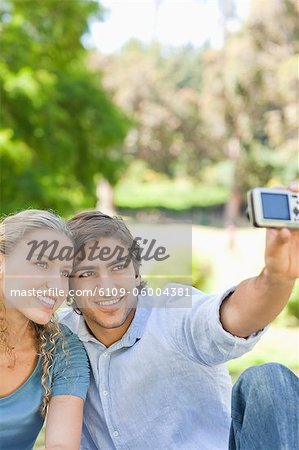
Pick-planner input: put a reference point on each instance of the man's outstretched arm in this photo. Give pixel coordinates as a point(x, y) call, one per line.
point(257, 301)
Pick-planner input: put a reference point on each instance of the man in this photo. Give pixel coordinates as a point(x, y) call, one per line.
point(158, 375)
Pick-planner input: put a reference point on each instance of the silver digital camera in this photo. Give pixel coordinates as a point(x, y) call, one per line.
point(273, 208)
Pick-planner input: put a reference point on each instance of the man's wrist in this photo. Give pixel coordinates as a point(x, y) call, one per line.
point(267, 277)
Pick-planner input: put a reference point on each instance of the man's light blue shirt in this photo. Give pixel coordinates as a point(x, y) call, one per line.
point(164, 385)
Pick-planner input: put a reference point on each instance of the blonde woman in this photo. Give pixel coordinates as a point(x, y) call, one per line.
point(43, 366)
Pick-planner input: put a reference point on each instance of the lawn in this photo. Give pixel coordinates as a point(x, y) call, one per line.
point(176, 195)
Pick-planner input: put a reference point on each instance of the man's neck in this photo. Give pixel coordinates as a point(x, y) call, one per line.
point(108, 336)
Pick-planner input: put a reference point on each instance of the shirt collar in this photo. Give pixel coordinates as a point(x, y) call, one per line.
point(138, 324)
point(83, 332)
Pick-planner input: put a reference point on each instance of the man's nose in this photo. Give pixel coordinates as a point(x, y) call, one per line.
point(105, 281)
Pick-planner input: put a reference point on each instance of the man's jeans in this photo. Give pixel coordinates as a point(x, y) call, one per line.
point(265, 409)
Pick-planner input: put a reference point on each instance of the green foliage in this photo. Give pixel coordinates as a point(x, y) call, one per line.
point(250, 103)
point(278, 345)
point(59, 127)
point(141, 187)
point(201, 274)
point(160, 90)
point(226, 118)
point(193, 109)
point(293, 303)
point(270, 354)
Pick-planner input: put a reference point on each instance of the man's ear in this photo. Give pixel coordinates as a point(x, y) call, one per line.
point(137, 279)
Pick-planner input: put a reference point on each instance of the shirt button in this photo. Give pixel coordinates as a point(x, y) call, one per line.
point(105, 393)
point(105, 354)
point(115, 433)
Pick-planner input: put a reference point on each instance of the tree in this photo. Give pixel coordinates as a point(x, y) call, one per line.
point(249, 105)
point(159, 89)
point(60, 129)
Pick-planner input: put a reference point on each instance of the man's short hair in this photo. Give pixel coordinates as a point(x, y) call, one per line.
point(93, 225)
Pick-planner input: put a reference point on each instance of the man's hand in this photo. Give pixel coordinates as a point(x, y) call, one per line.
point(259, 300)
point(282, 250)
point(282, 254)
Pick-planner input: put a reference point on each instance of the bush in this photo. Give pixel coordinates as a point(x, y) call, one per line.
point(201, 274)
point(293, 305)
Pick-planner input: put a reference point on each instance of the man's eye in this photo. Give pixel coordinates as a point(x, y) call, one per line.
point(86, 274)
point(41, 264)
point(118, 267)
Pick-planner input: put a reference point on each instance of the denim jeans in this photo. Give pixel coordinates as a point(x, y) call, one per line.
point(265, 409)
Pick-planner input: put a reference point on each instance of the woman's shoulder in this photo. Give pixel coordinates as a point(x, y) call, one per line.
point(67, 333)
point(70, 365)
point(67, 342)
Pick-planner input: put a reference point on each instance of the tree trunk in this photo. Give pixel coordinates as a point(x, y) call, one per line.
point(233, 206)
point(105, 196)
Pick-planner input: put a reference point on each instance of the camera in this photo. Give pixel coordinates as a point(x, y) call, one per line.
point(273, 208)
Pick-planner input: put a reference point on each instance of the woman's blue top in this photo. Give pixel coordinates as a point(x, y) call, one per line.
point(20, 417)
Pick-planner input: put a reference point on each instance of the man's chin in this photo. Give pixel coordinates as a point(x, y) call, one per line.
point(110, 319)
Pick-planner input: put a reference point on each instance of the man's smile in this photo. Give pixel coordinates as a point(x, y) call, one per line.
point(109, 303)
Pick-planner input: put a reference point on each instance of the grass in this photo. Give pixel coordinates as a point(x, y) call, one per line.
point(279, 344)
point(177, 195)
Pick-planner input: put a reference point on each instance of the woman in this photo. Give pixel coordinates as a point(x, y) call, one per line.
point(44, 368)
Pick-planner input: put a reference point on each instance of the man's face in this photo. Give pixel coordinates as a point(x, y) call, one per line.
point(105, 285)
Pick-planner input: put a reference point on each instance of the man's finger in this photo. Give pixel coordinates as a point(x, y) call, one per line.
point(294, 186)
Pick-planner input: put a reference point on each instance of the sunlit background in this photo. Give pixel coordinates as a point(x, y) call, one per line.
point(161, 111)
point(172, 23)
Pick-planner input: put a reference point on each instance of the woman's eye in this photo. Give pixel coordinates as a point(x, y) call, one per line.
point(41, 264)
point(89, 273)
point(65, 273)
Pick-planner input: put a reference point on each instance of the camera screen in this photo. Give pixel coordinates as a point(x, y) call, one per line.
point(275, 206)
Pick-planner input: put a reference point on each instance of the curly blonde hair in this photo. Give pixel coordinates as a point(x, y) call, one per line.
point(12, 230)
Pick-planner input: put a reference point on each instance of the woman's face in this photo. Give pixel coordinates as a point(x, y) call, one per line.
point(33, 282)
